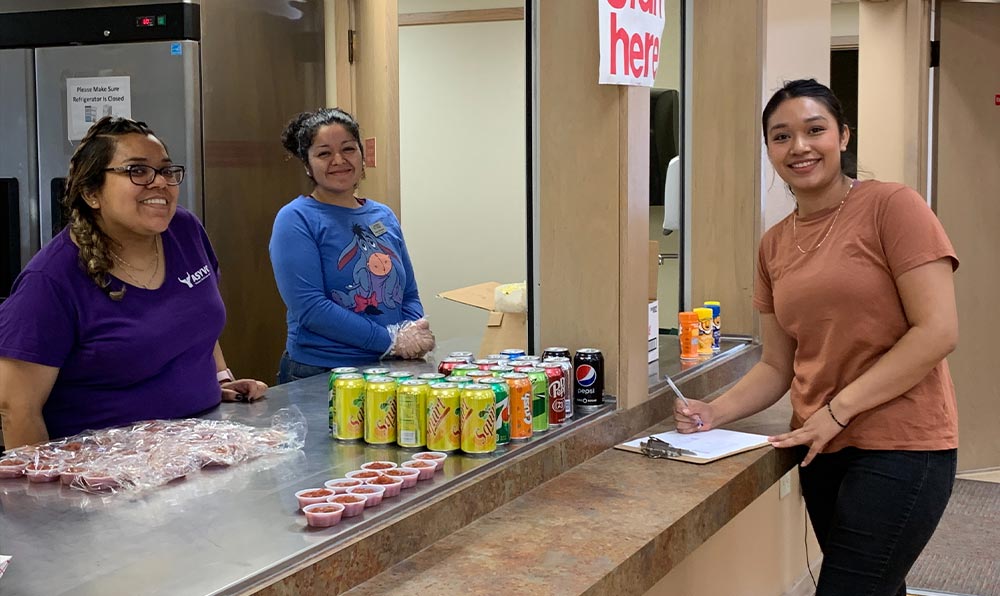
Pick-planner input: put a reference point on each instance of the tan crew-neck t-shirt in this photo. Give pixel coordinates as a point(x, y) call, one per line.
point(840, 304)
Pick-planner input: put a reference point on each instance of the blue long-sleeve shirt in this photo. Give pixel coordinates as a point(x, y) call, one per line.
point(345, 275)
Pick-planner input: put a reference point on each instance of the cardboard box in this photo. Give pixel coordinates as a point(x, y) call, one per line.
point(654, 268)
point(503, 329)
point(653, 331)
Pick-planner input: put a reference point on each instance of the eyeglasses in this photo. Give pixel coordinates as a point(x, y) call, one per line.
point(143, 175)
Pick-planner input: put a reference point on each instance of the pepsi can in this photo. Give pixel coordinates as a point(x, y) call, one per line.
point(588, 366)
point(558, 352)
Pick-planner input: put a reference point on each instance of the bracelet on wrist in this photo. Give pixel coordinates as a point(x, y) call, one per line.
point(830, 410)
point(225, 376)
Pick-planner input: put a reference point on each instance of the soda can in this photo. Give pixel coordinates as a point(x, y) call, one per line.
point(512, 353)
point(555, 352)
point(557, 392)
point(378, 371)
point(380, 411)
point(475, 375)
point(399, 376)
point(411, 400)
point(523, 366)
point(443, 417)
point(497, 357)
point(485, 363)
point(501, 369)
point(501, 393)
point(347, 407)
point(460, 380)
point(567, 366)
point(588, 366)
point(520, 405)
point(463, 369)
point(448, 364)
point(479, 419)
point(343, 370)
point(539, 399)
point(467, 356)
point(431, 377)
point(529, 358)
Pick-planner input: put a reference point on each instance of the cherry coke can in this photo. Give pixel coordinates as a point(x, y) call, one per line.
point(588, 365)
point(557, 392)
point(449, 364)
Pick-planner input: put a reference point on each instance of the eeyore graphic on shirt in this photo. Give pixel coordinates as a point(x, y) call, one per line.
point(376, 280)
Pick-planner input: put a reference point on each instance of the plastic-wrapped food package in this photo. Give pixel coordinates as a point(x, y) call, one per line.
point(152, 453)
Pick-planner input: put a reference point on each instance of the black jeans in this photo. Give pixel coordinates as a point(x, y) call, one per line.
point(873, 512)
point(290, 370)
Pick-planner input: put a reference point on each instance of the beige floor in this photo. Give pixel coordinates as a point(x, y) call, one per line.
point(982, 476)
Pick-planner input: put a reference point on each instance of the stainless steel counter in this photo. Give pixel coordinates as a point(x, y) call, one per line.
point(219, 531)
point(671, 364)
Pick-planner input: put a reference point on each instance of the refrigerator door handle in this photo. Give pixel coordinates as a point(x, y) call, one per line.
point(10, 222)
point(57, 187)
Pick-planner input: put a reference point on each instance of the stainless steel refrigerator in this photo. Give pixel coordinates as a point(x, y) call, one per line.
point(216, 80)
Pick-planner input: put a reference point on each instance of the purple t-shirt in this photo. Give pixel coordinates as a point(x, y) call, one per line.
point(146, 356)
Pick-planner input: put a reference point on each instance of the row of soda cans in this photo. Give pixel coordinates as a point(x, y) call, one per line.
point(472, 408)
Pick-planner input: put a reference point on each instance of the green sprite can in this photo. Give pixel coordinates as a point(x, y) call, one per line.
point(399, 376)
point(380, 411)
point(411, 404)
point(463, 370)
point(343, 370)
point(539, 399)
point(475, 375)
point(347, 408)
point(378, 371)
point(432, 377)
point(460, 380)
point(501, 393)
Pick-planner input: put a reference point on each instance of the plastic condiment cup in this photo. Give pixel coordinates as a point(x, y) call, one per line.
point(436, 456)
point(378, 466)
point(97, 481)
point(353, 504)
point(409, 475)
point(323, 515)
point(364, 475)
point(41, 473)
point(392, 485)
point(373, 498)
point(310, 496)
point(427, 468)
point(12, 468)
point(340, 485)
point(71, 474)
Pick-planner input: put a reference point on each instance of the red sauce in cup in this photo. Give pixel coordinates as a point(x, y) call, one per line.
point(320, 492)
point(364, 490)
point(422, 464)
point(366, 474)
point(384, 480)
point(346, 499)
point(325, 509)
point(395, 472)
point(378, 465)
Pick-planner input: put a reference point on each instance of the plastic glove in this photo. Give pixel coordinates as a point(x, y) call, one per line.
point(410, 339)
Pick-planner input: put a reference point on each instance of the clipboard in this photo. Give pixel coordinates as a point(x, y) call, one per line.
point(704, 447)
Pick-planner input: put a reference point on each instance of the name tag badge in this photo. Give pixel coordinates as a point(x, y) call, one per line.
point(378, 228)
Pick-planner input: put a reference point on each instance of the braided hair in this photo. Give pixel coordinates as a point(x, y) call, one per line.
point(86, 176)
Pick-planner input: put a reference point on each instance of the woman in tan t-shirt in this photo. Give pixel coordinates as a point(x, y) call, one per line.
point(857, 304)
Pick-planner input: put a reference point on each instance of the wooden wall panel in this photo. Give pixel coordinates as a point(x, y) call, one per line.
point(583, 271)
point(968, 206)
point(376, 94)
point(726, 147)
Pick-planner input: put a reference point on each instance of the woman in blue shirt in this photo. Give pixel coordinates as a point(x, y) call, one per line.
point(340, 261)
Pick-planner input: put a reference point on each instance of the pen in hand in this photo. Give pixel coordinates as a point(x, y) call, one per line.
point(697, 419)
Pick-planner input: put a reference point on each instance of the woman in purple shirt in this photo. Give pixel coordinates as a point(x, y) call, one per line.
point(118, 318)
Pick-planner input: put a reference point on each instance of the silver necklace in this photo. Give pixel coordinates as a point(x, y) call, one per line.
point(795, 217)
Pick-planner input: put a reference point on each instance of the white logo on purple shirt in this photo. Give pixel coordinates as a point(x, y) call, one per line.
point(193, 279)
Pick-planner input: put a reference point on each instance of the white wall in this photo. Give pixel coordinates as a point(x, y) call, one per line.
point(797, 47)
point(462, 163)
point(844, 19)
point(882, 65)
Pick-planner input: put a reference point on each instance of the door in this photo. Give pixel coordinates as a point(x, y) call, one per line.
point(968, 204)
point(18, 190)
point(155, 82)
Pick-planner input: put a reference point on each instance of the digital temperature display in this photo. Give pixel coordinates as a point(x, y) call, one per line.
point(145, 21)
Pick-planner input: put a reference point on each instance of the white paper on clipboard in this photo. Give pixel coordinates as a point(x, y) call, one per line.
point(707, 446)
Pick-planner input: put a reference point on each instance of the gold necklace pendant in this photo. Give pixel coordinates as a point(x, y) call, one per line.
point(125, 266)
point(828, 230)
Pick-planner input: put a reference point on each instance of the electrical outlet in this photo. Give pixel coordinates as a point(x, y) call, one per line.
point(785, 485)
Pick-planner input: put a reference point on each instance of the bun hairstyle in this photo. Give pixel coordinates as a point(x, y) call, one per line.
point(86, 177)
point(819, 92)
point(300, 132)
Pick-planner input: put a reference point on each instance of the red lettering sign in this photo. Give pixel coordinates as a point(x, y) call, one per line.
point(997, 99)
point(638, 55)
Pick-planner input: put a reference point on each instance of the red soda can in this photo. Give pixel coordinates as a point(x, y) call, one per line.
point(448, 364)
point(466, 356)
point(501, 369)
point(557, 392)
point(567, 365)
point(523, 366)
point(485, 364)
point(520, 405)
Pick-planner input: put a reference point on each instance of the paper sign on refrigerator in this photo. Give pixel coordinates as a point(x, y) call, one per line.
point(89, 99)
point(629, 33)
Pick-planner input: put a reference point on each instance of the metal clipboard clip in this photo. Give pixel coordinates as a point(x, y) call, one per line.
point(658, 449)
